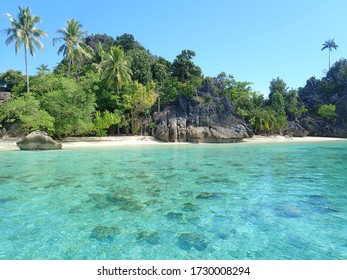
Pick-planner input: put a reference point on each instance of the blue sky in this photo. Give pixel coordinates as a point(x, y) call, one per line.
point(254, 40)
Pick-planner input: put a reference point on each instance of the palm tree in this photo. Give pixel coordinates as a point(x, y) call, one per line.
point(97, 57)
point(74, 47)
point(115, 68)
point(42, 69)
point(24, 32)
point(330, 45)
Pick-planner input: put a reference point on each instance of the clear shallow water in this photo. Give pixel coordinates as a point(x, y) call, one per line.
point(238, 201)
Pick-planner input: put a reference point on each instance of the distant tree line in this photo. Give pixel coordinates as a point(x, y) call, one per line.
point(114, 85)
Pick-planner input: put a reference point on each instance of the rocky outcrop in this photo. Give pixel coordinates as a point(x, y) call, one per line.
point(205, 118)
point(2, 132)
point(38, 140)
point(341, 110)
point(296, 130)
point(4, 96)
point(319, 127)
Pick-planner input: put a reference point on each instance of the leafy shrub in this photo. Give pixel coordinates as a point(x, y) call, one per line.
point(26, 111)
point(327, 111)
point(103, 120)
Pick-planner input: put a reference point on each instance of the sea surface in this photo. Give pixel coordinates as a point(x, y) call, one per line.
point(205, 201)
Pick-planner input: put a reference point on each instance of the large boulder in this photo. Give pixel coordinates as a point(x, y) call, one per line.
point(295, 129)
point(38, 140)
point(2, 132)
point(322, 128)
point(206, 118)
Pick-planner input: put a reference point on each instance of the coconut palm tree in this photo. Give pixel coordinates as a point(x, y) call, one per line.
point(116, 68)
point(97, 57)
point(24, 32)
point(330, 45)
point(74, 47)
point(42, 69)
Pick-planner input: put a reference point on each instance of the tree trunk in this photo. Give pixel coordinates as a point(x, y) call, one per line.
point(159, 104)
point(26, 68)
point(329, 59)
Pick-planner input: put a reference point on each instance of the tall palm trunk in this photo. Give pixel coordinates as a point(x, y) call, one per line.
point(26, 68)
point(329, 58)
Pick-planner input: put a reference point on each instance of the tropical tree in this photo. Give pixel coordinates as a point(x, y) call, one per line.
point(183, 66)
point(74, 47)
point(24, 32)
point(11, 78)
point(330, 45)
point(42, 69)
point(141, 65)
point(116, 68)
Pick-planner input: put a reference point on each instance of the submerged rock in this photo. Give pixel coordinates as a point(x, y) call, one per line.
point(289, 211)
point(151, 238)
point(172, 216)
point(120, 200)
point(6, 199)
point(208, 195)
point(186, 241)
point(190, 207)
point(104, 233)
point(38, 140)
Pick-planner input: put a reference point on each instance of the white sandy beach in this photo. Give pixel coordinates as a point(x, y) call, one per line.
point(114, 141)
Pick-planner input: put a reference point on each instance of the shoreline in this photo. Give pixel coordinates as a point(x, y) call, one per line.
point(8, 144)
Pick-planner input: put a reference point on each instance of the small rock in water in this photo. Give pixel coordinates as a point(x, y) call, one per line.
point(6, 199)
point(208, 195)
point(119, 200)
point(190, 207)
point(289, 211)
point(172, 216)
point(223, 235)
point(104, 233)
point(188, 240)
point(151, 238)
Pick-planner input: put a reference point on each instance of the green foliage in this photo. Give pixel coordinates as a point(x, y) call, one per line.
point(327, 111)
point(183, 66)
point(106, 41)
point(169, 90)
point(26, 111)
point(103, 120)
point(11, 78)
point(137, 100)
point(24, 32)
point(240, 94)
point(327, 90)
point(190, 88)
point(115, 68)
point(90, 82)
point(277, 85)
point(127, 42)
point(277, 103)
point(141, 65)
point(161, 70)
point(42, 69)
point(294, 108)
point(74, 48)
point(65, 100)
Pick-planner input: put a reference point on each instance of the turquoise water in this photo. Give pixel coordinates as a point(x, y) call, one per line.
point(237, 201)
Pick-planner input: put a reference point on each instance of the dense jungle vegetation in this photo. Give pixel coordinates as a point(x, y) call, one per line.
point(106, 85)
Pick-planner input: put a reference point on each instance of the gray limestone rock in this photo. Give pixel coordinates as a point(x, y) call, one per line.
point(38, 140)
point(206, 118)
